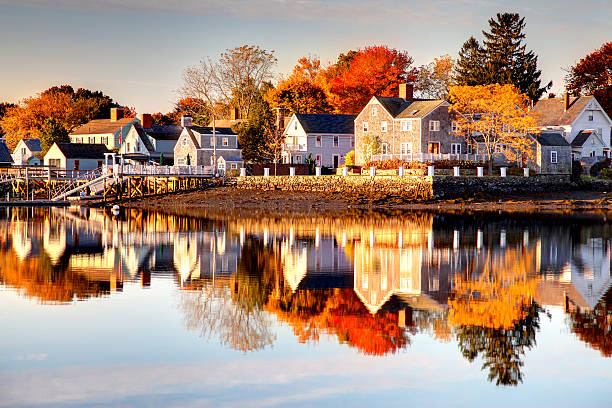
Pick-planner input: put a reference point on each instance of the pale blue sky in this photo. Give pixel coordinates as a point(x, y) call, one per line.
point(136, 50)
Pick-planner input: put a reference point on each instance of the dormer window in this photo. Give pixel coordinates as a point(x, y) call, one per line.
point(212, 141)
point(374, 110)
point(225, 141)
point(590, 116)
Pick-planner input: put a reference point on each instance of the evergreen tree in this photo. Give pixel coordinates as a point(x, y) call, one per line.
point(503, 58)
point(469, 64)
point(253, 134)
point(52, 132)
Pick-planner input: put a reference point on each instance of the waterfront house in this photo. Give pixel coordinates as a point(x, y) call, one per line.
point(553, 154)
point(196, 145)
point(5, 155)
point(226, 163)
point(326, 138)
point(146, 142)
point(581, 121)
point(104, 131)
point(76, 156)
point(27, 153)
point(407, 128)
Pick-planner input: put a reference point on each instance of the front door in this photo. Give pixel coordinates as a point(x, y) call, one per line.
point(434, 148)
point(336, 161)
point(77, 165)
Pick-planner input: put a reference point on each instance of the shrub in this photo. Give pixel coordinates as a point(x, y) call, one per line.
point(606, 174)
point(597, 167)
point(349, 159)
point(576, 170)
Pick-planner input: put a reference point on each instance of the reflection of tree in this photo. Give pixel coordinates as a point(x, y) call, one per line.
point(37, 277)
point(232, 309)
point(594, 327)
point(502, 349)
point(341, 313)
point(494, 314)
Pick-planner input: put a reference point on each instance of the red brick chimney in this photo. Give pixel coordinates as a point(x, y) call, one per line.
point(406, 91)
point(146, 121)
point(566, 101)
point(116, 114)
point(186, 121)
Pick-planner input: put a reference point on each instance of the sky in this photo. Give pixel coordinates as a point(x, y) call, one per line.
point(136, 50)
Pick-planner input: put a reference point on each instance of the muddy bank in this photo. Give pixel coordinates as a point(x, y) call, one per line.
point(232, 202)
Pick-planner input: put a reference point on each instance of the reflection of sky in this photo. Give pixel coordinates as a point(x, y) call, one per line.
point(136, 351)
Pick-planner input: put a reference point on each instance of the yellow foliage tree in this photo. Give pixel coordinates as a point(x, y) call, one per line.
point(498, 118)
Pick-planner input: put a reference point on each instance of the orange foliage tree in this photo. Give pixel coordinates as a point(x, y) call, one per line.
point(376, 70)
point(499, 117)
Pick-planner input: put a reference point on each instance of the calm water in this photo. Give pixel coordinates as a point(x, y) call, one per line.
point(421, 309)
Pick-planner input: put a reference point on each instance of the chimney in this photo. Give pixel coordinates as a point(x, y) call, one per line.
point(566, 101)
point(186, 121)
point(280, 118)
point(406, 91)
point(116, 114)
point(551, 95)
point(234, 114)
point(145, 120)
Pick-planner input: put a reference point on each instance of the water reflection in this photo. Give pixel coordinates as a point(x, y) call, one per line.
point(484, 281)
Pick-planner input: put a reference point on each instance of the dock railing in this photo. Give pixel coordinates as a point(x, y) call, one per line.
point(429, 157)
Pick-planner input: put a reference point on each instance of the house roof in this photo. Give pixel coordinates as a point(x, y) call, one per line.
point(33, 145)
point(401, 109)
point(5, 153)
point(553, 114)
point(169, 132)
point(327, 123)
point(551, 139)
point(145, 140)
point(102, 126)
point(193, 138)
point(581, 137)
point(208, 130)
point(232, 158)
point(83, 150)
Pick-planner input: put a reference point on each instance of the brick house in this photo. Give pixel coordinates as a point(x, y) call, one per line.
point(406, 128)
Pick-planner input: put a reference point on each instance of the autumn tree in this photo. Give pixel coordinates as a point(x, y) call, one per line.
point(303, 91)
point(497, 117)
point(435, 78)
point(503, 58)
point(592, 75)
point(194, 108)
point(52, 132)
point(376, 70)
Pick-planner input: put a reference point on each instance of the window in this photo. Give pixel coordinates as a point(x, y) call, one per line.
point(454, 126)
point(600, 132)
point(553, 157)
point(383, 126)
point(185, 142)
point(318, 159)
point(234, 165)
point(318, 141)
point(365, 126)
point(212, 141)
point(406, 125)
point(105, 140)
point(374, 110)
point(470, 149)
point(295, 125)
point(225, 141)
point(99, 164)
point(592, 154)
point(406, 148)
point(592, 140)
point(138, 146)
point(180, 162)
point(55, 162)
point(23, 151)
point(298, 159)
point(352, 142)
point(434, 125)
point(455, 148)
point(384, 148)
point(433, 148)
point(128, 147)
point(221, 165)
point(590, 116)
point(336, 141)
point(77, 164)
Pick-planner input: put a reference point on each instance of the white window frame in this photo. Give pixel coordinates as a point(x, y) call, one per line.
point(383, 126)
point(434, 125)
point(336, 141)
point(554, 157)
point(180, 162)
point(365, 126)
point(406, 148)
point(225, 141)
point(455, 148)
point(212, 141)
point(234, 166)
point(454, 126)
point(319, 141)
point(298, 159)
point(384, 148)
point(406, 125)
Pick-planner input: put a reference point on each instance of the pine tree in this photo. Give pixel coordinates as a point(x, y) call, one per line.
point(469, 64)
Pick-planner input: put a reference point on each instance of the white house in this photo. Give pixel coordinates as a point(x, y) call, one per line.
point(26, 153)
point(104, 131)
point(76, 156)
point(582, 122)
point(196, 145)
point(226, 163)
point(326, 138)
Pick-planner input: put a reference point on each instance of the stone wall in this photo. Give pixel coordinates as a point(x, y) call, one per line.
point(409, 187)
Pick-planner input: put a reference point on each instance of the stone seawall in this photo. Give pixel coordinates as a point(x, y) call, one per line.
point(409, 187)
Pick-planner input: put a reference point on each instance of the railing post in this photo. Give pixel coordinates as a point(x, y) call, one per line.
point(479, 171)
point(430, 171)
